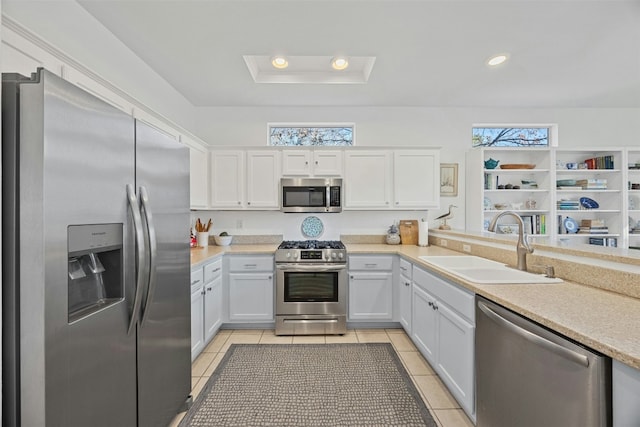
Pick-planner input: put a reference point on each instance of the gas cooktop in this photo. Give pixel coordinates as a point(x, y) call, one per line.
point(311, 251)
point(311, 244)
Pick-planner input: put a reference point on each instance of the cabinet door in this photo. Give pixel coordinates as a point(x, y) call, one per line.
point(368, 180)
point(416, 179)
point(405, 303)
point(327, 163)
point(199, 178)
point(197, 324)
point(296, 162)
point(251, 297)
point(263, 179)
point(370, 296)
point(212, 308)
point(424, 324)
point(227, 179)
point(456, 355)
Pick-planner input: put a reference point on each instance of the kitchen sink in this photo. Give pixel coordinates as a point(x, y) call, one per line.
point(484, 271)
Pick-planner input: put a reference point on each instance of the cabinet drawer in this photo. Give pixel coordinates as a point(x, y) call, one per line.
point(457, 298)
point(251, 263)
point(382, 262)
point(197, 278)
point(405, 268)
point(212, 270)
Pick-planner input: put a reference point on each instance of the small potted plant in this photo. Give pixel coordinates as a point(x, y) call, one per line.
point(223, 239)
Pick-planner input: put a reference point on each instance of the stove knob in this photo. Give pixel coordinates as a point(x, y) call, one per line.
point(288, 254)
point(340, 255)
point(333, 255)
point(295, 255)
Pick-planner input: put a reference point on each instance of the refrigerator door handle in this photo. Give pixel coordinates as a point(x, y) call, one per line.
point(534, 338)
point(153, 251)
point(141, 251)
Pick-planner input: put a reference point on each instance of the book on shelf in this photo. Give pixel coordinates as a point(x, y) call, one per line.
point(592, 183)
point(600, 162)
point(535, 223)
point(604, 241)
point(593, 230)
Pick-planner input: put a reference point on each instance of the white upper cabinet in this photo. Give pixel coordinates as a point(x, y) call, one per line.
point(263, 179)
point(245, 179)
point(368, 178)
point(398, 179)
point(416, 179)
point(227, 179)
point(317, 162)
point(199, 177)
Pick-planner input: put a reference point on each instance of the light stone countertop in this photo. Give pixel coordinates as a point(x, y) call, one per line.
point(605, 321)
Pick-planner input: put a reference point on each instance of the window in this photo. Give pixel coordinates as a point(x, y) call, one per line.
point(511, 136)
point(311, 135)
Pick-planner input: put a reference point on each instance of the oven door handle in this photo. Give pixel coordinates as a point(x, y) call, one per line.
point(311, 267)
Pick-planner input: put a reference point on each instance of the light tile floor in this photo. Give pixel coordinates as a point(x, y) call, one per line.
point(442, 405)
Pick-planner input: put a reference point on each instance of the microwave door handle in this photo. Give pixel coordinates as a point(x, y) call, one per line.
point(141, 251)
point(153, 252)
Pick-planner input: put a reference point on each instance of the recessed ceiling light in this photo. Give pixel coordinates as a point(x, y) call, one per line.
point(339, 63)
point(496, 60)
point(279, 62)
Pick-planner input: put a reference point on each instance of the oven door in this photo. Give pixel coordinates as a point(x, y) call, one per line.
point(311, 289)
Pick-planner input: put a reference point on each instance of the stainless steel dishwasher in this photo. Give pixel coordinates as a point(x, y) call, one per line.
point(527, 375)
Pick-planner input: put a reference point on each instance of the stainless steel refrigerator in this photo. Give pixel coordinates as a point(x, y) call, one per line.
point(96, 304)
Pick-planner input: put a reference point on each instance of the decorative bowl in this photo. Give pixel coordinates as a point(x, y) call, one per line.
point(500, 206)
point(223, 240)
point(508, 228)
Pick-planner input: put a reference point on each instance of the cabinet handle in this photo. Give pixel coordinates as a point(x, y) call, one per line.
point(195, 281)
point(270, 277)
point(407, 283)
point(397, 203)
point(203, 292)
point(386, 203)
point(248, 203)
point(217, 269)
point(250, 265)
point(238, 202)
point(435, 306)
point(209, 288)
point(371, 265)
point(316, 162)
point(351, 277)
point(430, 304)
point(306, 163)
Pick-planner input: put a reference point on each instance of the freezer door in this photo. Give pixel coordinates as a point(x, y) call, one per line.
point(164, 341)
point(76, 157)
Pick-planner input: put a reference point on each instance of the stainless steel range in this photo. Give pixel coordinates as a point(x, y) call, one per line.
point(311, 288)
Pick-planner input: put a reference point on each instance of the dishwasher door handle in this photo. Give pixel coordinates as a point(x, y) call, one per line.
point(536, 339)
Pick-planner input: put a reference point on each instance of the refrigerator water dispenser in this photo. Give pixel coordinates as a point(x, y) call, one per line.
point(94, 268)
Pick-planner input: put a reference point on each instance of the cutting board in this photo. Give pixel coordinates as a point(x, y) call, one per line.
point(409, 231)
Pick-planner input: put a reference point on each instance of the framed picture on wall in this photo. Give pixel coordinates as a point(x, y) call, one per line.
point(448, 179)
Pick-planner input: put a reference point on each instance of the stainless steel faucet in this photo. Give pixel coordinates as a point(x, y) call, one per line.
point(522, 247)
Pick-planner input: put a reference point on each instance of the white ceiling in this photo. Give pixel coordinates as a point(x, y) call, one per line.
point(563, 53)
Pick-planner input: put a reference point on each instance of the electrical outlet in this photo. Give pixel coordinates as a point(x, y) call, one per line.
point(239, 224)
point(443, 242)
point(466, 248)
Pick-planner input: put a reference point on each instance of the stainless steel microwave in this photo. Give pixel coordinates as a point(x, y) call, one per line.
point(311, 194)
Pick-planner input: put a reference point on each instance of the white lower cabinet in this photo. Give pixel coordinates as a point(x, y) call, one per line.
point(443, 329)
point(626, 395)
point(404, 295)
point(370, 287)
point(251, 296)
point(206, 305)
point(197, 311)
